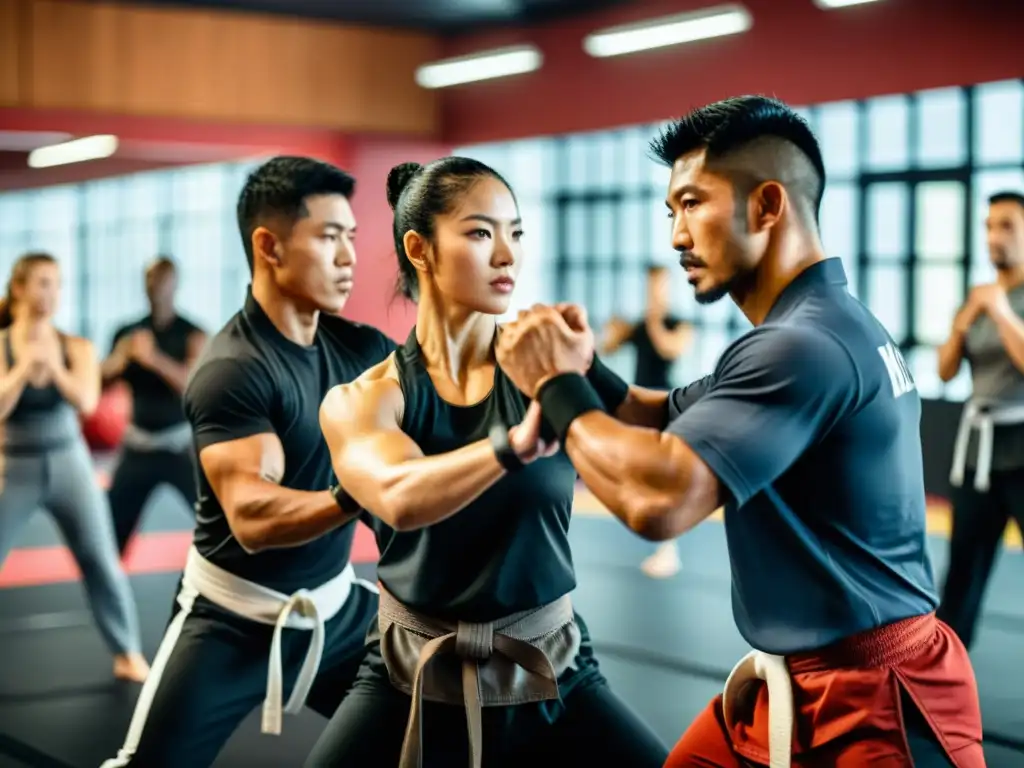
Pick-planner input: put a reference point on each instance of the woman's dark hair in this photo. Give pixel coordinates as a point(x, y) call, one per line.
point(418, 194)
point(19, 275)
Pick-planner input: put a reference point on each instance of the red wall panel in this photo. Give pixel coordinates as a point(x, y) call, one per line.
point(795, 51)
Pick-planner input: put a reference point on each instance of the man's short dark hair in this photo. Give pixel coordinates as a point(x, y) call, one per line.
point(277, 191)
point(1007, 196)
point(782, 146)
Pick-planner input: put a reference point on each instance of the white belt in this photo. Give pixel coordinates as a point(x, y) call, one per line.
point(176, 439)
point(754, 667)
point(306, 609)
point(984, 416)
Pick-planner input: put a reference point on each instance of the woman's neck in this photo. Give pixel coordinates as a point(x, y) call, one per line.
point(453, 339)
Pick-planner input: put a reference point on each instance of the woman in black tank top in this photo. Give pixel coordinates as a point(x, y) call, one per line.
point(471, 515)
point(47, 380)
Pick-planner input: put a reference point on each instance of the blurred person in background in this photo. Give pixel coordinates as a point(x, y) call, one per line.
point(49, 379)
point(660, 339)
point(987, 476)
point(153, 356)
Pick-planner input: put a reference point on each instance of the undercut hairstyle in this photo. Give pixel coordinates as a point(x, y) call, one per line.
point(1007, 197)
point(275, 194)
point(418, 194)
point(751, 140)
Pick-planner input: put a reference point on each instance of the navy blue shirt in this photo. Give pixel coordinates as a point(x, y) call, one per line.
point(811, 422)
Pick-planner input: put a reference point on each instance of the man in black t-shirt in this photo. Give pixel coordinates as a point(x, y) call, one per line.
point(153, 356)
point(272, 538)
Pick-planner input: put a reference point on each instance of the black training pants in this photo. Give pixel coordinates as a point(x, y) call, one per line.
point(979, 522)
point(137, 476)
point(216, 674)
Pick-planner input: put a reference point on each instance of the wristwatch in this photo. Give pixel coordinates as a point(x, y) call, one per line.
point(503, 449)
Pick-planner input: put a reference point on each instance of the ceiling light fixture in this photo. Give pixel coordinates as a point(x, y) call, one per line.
point(487, 65)
point(829, 5)
point(75, 151)
point(717, 21)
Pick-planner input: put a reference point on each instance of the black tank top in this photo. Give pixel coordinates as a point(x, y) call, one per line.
point(506, 552)
point(33, 400)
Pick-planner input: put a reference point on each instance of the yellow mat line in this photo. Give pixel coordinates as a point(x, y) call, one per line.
point(938, 517)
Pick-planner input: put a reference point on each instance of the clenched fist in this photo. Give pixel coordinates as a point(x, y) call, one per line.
point(544, 342)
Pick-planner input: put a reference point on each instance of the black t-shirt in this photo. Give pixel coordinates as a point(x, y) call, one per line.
point(252, 380)
point(505, 552)
point(156, 405)
point(651, 368)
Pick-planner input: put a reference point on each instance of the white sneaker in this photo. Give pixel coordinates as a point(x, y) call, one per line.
point(664, 563)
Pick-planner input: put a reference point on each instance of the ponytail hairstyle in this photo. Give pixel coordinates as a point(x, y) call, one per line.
point(418, 194)
point(20, 273)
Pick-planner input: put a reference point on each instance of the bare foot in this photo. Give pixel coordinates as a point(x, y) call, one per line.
point(664, 563)
point(131, 666)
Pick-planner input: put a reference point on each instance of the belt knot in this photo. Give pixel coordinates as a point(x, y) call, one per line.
point(474, 641)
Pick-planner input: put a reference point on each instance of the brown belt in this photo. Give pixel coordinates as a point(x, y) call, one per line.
point(511, 661)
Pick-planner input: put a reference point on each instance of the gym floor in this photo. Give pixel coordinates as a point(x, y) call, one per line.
point(666, 646)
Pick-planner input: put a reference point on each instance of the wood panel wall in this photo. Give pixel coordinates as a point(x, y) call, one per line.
point(65, 54)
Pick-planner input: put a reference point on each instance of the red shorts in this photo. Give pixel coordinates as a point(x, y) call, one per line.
point(847, 708)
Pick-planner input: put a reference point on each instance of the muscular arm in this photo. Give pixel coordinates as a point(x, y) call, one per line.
point(951, 354)
point(173, 372)
point(228, 404)
point(385, 471)
point(786, 383)
point(245, 476)
point(79, 383)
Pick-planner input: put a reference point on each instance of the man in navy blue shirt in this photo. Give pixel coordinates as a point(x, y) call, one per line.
point(808, 433)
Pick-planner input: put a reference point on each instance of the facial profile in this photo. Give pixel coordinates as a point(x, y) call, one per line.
point(312, 260)
point(1004, 231)
point(739, 167)
point(476, 252)
point(710, 230)
point(298, 230)
point(39, 293)
point(457, 233)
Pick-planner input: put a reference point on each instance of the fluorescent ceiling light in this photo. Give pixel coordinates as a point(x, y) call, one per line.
point(76, 151)
point(717, 21)
point(828, 5)
point(500, 62)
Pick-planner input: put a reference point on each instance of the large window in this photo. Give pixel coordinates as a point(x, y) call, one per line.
point(908, 180)
point(104, 232)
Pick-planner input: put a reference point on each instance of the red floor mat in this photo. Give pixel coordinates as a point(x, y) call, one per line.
point(149, 553)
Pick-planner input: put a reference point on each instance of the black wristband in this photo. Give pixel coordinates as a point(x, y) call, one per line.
point(345, 503)
point(564, 398)
point(503, 449)
point(609, 386)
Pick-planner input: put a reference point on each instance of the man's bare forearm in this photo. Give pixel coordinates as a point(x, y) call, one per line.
point(644, 408)
point(639, 474)
point(268, 516)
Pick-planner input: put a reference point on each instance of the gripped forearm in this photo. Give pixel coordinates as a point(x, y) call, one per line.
point(269, 516)
point(636, 472)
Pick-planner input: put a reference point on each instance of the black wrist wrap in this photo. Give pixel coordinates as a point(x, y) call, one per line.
point(609, 386)
point(564, 398)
